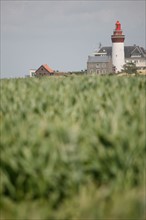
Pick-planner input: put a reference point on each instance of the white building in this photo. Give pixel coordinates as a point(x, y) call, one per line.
point(118, 57)
point(32, 72)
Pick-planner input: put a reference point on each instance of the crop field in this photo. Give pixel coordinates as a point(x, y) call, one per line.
point(73, 148)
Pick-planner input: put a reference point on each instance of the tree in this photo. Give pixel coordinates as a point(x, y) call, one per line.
point(130, 68)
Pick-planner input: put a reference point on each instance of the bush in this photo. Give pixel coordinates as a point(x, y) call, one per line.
point(130, 68)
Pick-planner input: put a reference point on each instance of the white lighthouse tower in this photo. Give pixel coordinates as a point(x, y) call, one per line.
point(118, 57)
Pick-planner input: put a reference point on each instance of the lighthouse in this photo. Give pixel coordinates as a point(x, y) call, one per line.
point(118, 58)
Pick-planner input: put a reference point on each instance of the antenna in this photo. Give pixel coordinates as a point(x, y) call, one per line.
point(100, 45)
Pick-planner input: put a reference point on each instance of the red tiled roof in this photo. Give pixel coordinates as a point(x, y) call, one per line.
point(48, 68)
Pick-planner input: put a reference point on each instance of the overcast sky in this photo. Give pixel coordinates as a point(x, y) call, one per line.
point(63, 33)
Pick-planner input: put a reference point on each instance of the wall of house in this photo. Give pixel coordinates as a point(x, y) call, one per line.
point(32, 72)
point(110, 66)
point(99, 68)
point(139, 62)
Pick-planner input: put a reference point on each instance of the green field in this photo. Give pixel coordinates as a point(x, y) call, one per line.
point(72, 148)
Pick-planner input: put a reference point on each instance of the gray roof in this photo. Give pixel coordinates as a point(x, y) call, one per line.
point(129, 50)
point(108, 50)
point(100, 59)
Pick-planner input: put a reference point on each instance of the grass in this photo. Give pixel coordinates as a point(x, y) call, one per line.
point(72, 148)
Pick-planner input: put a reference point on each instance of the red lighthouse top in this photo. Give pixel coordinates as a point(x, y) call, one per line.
point(118, 26)
point(117, 36)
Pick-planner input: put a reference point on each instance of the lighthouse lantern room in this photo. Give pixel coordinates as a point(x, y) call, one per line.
point(118, 58)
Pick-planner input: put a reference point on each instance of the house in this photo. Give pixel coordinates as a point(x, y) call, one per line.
point(137, 55)
point(96, 63)
point(44, 70)
point(99, 64)
point(134, 54)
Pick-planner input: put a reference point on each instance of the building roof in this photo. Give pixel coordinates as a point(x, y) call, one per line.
point(100, 59)
point(107, 50)
point(129, 51)
point(48, 68)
